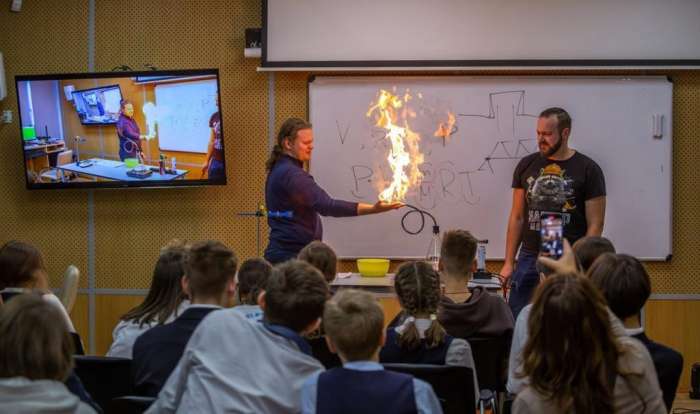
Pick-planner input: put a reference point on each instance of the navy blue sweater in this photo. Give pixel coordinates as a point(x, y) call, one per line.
point(290, 188)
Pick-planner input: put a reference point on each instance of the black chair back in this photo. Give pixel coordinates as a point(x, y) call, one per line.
point(131, 404)
point(453, 385)
point(491, 361)
point(104, 378)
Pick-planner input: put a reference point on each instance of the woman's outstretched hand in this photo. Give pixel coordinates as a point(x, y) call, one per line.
point(382, 206)
point(378, 207)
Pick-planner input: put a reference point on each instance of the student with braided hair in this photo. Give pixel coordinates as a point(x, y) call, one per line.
point(421, 339)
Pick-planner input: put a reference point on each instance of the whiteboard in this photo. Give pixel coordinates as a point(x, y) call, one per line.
point(467, 177)
point(183, 113)
point(341, 33)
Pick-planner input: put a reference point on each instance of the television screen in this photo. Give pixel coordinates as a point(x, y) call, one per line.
point(98, 106)
point(121, 129)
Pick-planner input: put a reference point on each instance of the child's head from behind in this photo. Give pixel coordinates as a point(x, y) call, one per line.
point(21, 265)
point(34, 340)
point(588, 249)
point(417, 287)
point(624, 282)
point(211, 272)
point(570, 342)
point(165, 294)
point(294, 296)
point(458, 252)
point(354, 324)
point(322, 257)
point(252, 279)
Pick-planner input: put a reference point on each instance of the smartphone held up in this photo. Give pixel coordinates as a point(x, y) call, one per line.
point(551, 236)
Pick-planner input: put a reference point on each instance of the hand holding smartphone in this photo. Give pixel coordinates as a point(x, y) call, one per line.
point(551, 236)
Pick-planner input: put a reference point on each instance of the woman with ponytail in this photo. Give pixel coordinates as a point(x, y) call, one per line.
point(290, 189)
point(420, 338)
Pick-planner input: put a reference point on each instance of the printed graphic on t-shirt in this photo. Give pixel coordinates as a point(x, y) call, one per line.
point(551, 191)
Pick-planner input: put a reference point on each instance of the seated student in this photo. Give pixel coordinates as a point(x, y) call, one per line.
point(22, 270)
point(589, 248)
point(36, 357)
point(322, 257)
point(569, 262)
point(252, 278)
point(421, 339)
point(467, 313)
point(234, 365)
point(210, 282)
point(626, 287)
point(164, 302)
point(354, 324)
point(575, 363)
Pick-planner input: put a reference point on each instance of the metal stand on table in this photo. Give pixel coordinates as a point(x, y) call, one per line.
point(258, 214)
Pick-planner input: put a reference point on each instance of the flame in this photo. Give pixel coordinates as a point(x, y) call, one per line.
point(150, 113)
point(389, 111)
point(444, 129)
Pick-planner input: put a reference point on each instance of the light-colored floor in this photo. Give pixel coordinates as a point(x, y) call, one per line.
point(683, 402)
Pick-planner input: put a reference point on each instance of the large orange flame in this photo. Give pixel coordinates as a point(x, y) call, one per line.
point(405, 156)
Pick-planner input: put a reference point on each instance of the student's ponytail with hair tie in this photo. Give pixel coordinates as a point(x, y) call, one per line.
point(435, 334)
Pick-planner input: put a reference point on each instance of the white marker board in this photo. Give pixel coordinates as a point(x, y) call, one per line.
point(184, 110)
point(467, 179)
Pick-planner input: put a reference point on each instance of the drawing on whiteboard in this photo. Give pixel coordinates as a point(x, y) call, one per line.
point(342, 134)
point(500, 152)
point(447, 181)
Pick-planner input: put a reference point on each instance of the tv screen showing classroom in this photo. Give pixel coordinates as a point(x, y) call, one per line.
point(121, 129)
point(98, 106)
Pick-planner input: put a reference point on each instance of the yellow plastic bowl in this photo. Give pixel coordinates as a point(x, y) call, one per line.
point(373, 267)
point(131, 162)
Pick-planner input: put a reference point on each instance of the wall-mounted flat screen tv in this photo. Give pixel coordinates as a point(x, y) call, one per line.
point(122, 129)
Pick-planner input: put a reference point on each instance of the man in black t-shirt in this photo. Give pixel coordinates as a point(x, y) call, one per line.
point(556, 171)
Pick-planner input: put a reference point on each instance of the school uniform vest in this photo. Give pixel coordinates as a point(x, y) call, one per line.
point(393, 353)
point(348, 391)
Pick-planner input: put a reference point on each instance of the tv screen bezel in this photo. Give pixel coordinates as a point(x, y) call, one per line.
point(123, 184)
point(94, 89)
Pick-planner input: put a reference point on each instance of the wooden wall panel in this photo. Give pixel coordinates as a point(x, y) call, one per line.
point(675, 324)
point(132, 225)
point(108, 311)
point(79, 316)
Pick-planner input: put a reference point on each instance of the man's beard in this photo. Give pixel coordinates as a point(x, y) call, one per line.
point(552, 149)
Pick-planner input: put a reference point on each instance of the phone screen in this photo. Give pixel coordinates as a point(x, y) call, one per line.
point(551, 235)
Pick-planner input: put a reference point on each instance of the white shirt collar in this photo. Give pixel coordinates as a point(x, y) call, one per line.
point(634, 331)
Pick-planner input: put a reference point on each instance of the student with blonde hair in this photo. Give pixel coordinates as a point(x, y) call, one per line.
point(354, 324)
point(36, 357)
